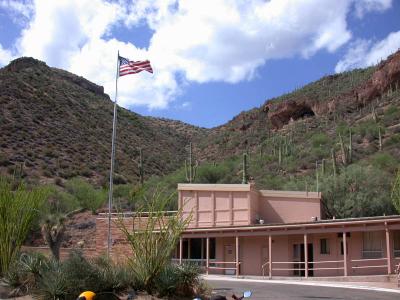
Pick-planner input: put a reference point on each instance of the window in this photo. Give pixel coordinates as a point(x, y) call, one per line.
point(324, 246)
point(372, 245)
point(396, 243)
point(341, 248)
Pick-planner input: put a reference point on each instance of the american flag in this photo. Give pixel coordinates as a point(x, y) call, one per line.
point(127, 67)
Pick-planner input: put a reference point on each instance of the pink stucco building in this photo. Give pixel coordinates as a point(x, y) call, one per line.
point(237, 229)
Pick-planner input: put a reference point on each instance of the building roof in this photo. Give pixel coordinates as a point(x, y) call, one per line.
point(245, 188)
point(214, 187)
point(337, 224)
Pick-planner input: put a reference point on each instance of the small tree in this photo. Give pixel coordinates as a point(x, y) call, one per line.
point(396, 192)
point(53, 230)
point(153, 239)
point(19, 208)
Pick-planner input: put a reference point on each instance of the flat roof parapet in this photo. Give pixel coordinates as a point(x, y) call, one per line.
point(215, 187)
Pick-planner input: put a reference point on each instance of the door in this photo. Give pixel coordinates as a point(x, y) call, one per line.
point(229, 256)
point(298, 258)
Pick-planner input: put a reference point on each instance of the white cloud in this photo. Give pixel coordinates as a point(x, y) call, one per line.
point(364, 53)
point(5, 56)
point(19, 11)
point(195, 41)
point(364, 6)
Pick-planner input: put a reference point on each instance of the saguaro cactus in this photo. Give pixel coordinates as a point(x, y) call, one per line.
point(343, 149)
point(350, 157)
point(245, 177)
point(190, 169)
point(140, 166)
point(334, 167)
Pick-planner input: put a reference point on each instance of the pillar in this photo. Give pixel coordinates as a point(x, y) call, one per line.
point(305, 256)
point(180, 250)
point(237, 256)
point(345, 253)
point(207, 254)
point(270, 256)
point(388, 251)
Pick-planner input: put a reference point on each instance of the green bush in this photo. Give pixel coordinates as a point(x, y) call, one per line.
point(87, 196)
point(357, 191)
point(384, 161)
point(209, 173)
point(49, 279)
point(320, 140)
point(178, 280)
point(369, 130)
point(391, 114)
point(52, 283)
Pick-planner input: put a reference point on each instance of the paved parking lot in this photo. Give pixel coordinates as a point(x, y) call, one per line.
point(278, 291)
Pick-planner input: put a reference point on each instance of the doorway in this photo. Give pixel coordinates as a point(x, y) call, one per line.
point(229, 256)
point(298, 258)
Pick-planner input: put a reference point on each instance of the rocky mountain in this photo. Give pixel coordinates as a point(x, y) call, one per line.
point(350, 97)
point(55, 125)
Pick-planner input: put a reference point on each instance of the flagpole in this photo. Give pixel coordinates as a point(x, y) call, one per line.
point(114, 133)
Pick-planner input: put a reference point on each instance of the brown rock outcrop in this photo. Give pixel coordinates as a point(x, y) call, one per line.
point(387, 76)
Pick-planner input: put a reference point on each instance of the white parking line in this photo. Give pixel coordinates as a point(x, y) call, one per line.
point(293, 282)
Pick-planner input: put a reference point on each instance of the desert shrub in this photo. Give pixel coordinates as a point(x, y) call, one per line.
point(52, 283)
point(87, 196)
point(320, 140)
point(384, 161)
point(113, 277)
point(51, 279)
point(209, 173)
point(167, 281)
point(369, 130)
point(60, 202)
point(19, 209)
point(178, 280)
point(152, 244)
point(393, 140)
point(357, 191)
point(391, 114)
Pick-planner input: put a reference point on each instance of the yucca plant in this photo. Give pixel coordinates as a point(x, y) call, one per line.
point(53, 283)
point(18, 209)
point(53, 229)
point(152, 240)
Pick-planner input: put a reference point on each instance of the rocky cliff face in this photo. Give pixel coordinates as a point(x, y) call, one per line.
point(386, 77)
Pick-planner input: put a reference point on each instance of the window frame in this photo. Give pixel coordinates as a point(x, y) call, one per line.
point(370, 250)
point(326, 248)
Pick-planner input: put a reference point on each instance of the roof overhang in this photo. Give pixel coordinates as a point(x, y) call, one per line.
point(326, 226)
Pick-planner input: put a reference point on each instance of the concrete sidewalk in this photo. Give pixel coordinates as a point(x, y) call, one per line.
point(376, 283)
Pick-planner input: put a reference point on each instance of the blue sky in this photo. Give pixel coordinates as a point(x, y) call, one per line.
point(209, 64)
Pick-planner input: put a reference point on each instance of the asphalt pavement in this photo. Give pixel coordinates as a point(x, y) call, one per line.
point(278, 291)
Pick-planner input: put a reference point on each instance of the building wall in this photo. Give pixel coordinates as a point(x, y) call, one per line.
point(253, 253)
point(217, 208)
point(288, 209)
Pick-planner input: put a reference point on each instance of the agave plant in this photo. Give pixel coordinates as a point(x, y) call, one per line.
point(52, 284)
